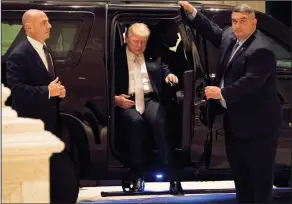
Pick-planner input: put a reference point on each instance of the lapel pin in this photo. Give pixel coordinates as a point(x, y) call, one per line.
point(150, 58)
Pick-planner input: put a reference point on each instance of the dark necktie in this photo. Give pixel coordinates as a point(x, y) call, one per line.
point(49, 60)
point(233, 50)
point(221, 85)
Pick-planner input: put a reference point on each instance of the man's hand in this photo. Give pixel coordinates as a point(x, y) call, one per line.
point(62, 92)
point(122, 101)
point(171, 79)
point(213, 92)
point(54, 87)
point(187, 6)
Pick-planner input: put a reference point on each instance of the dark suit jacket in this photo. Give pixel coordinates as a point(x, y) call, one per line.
point(249, 89)
point(157, 70)
point(28, 79)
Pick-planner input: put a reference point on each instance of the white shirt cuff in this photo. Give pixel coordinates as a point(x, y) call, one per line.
point(49, 94)
point(194, 12)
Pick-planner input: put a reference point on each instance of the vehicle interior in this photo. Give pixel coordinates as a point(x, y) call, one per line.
point(183, 101)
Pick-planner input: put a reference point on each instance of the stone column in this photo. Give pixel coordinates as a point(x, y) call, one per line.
point(26, 149)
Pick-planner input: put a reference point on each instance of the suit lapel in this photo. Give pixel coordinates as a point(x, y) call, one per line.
point(225, 53)
point(237, 54)
point(149, 68)
point(240, 50)
point(223, 60)
point(38, 60)
point(124, 73)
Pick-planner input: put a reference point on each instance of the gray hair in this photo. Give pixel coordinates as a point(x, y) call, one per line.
point(244, 8)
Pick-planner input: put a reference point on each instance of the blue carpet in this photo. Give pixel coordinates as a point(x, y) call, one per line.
point(204, 199)
point(281, 195)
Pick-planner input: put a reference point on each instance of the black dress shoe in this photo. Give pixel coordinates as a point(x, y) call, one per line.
point(175, 188)
point(138, 185)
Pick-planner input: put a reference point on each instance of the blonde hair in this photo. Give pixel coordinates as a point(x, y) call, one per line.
point(140, 29)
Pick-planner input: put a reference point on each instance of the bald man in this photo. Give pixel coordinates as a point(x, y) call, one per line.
point(36, 91)
point(31, 76)
point(139, 76)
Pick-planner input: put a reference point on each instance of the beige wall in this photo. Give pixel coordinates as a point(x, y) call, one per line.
point(257, 5)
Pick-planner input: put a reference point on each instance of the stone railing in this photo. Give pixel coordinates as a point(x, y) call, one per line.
point(26, 150)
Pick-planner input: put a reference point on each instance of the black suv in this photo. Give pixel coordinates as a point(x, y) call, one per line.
point(84, 36)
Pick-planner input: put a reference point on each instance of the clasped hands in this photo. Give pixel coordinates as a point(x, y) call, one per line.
point(57, 89)
point(213, 92)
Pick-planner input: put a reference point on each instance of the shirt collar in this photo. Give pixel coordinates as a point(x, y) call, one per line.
point(36, 44)
point(129, 53)
point(132, 55)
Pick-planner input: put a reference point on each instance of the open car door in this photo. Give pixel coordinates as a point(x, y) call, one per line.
point(192, 97)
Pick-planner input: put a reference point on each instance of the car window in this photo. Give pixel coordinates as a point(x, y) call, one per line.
point(64, 35)
point(9, 33)
point(283, 56)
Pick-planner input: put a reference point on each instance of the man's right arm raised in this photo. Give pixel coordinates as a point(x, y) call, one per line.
point(202, 24)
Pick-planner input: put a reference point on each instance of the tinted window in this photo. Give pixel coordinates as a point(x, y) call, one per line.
point(282, 54)
point(64, 35)
point(9, 33)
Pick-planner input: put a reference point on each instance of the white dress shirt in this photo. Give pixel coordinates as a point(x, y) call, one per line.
point(39, 48)
point(145, 77)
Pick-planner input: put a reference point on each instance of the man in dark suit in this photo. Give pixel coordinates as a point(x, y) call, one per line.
point(36, 92)
point(245, 89)
point(139, 76)
point(35, 89)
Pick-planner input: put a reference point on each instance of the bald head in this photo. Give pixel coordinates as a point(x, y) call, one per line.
point(30, 15)
point(36, 25)
point(136, 38)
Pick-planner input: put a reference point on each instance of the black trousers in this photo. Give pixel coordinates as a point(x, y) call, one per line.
point(252, 161)
point(64, 183)
point(137, 128)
